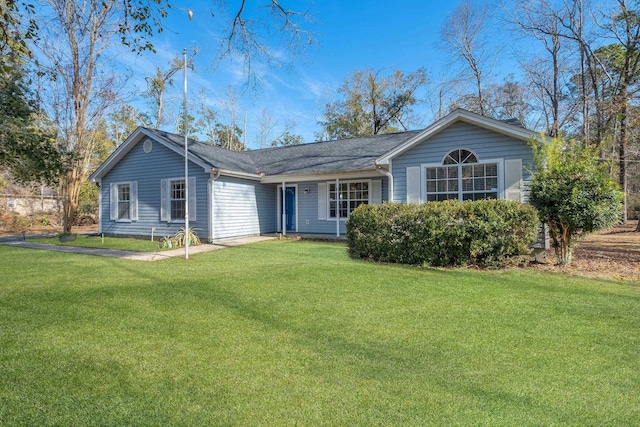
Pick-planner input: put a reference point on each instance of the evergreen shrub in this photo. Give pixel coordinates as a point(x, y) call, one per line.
point(488, 233)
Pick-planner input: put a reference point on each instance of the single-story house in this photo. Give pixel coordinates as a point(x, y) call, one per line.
point(308, 188)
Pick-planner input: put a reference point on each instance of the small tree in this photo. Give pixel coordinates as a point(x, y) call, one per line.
point(573, 192)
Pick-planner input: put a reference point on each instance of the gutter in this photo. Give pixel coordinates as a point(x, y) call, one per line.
point(214, 174)
point(388, 174)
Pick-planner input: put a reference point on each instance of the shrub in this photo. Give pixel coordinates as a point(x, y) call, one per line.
point(573, 192)
point(487, 232)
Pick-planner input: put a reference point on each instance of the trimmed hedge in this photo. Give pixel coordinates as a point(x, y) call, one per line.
point(488, 233)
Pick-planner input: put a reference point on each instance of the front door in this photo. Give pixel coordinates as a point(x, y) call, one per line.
point(290, 208)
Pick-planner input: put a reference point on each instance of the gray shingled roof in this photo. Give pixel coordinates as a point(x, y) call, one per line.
point(351, 154)
point(217, 157)
point(331, 156)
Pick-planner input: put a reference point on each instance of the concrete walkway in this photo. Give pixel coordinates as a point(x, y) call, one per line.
point(138, 256)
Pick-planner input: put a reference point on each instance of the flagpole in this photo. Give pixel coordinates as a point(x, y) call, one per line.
point(186, 161)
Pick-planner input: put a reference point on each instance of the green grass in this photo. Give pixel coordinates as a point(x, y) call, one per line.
point(121, 243)
point(296, 333)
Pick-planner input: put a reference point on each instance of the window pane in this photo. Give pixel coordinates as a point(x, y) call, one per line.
point(124, 199)
point(431, 186)
point(492, 169)
point(453, 185)
point(431, 173)
point(431, 197)
point(177, 209)
point(442, 173)
point(467, 171)
point(442, 186)
point(492, 183)
point(467, 196)
point(452, 171)
point(178, 199)
point(467, 156)
point(467, 185)
point(478, 171)
point(478, 184)
point(452, 158)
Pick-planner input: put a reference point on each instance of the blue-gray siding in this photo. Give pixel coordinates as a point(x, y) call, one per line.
point(243, 207)
point(308, 221)
point(148, 169)
point(485, 143)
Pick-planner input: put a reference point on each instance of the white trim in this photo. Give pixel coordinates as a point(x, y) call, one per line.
point(337, 183)
point(363, 174)
point(458, 149)
point(211, 216)
point(100, 211)
point(192, 198)
point(244, 175)
point(500, 177)
point(463, 116)
point(115, 201)
point(279, 213)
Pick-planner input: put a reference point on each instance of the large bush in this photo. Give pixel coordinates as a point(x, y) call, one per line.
point(486, 232)
point(573, 192)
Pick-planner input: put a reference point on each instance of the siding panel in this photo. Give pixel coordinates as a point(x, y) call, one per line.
point(243, 207)
point(485, 143)
point(148, 169)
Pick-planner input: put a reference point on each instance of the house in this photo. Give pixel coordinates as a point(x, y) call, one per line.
point(308, 188)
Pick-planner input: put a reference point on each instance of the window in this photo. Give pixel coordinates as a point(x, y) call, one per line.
point(124, 201)
point(462, 176)
point(349, 196)
point(178, 199)
point(173, 199)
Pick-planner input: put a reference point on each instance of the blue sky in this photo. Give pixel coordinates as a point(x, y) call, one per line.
point(348, 35)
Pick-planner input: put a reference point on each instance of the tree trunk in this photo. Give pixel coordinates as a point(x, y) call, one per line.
point(622, 158)
point(70, 198)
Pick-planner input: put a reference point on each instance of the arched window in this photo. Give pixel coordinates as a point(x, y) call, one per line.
point(462, 176)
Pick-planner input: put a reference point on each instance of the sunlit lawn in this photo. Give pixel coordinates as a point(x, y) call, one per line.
point(297, 333)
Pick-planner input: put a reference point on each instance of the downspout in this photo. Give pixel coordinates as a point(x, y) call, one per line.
point(214, 174)
point(388, 174)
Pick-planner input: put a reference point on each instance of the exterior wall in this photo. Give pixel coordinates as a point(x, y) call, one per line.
point(148, 169)
point(243, 207)
point(27, 205)
point(485, 143)
point(308, 221)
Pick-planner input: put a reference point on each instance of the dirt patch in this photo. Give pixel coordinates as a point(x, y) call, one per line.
point(612, 254)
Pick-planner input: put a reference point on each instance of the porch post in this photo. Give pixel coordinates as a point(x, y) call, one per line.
point(284, 209)
point(338, 207)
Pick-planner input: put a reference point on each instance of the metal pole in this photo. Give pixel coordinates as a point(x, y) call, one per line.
point(186, 161)
point(338, 207)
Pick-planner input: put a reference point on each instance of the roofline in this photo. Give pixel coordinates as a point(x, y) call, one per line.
point(236, 174)
point(463, 116)
point(320, 176)
point(130, 142)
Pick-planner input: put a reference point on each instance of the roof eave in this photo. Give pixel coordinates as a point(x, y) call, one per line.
point(463, 116)
point(321, 176)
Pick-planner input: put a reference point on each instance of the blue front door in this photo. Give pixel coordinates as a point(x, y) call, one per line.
point(290, 208)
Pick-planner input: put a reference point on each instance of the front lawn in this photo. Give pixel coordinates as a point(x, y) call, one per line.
point(297, 333)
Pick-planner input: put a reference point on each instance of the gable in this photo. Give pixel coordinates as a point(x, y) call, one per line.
point(480, 125)
point(137, 139)
point(485, 143)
